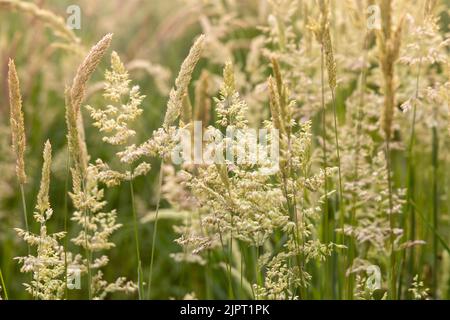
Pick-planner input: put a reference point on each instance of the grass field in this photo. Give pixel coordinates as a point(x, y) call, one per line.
point(97, 99)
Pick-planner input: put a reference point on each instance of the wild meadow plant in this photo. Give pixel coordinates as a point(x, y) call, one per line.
point(300, 155)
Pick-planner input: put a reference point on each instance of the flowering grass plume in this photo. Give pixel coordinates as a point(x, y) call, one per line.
point(17, 122)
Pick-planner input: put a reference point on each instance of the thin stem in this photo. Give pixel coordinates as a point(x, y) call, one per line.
point(411, 172)
point(338, 155)
point(66, 213)
point(392, 275)
point(25, 212)
point(136, 242)
point(87, 251)
point(325, 222)
point(88, 254)
point(2, 281)
point(341, 194)
point(359, 114)
point(158, 199)
point(434, 155)
point(228, 264)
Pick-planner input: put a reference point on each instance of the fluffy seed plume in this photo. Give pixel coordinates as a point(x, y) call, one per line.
point(74, 98)
point(176, 97)
point(17, 122)
point(43, 202)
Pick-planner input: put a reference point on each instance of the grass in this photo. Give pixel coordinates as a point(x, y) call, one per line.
point(362, 182)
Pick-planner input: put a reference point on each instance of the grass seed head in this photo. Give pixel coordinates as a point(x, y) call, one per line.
point(175, 103)
point(17, 122)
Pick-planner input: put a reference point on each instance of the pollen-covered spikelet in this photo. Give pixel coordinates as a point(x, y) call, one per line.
point(176, 96)
point(17, 122)
point(274, 100)
point(43, 202)
point(231, 108)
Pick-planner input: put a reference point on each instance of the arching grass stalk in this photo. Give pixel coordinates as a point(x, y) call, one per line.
point(136, 242)
point(155, 229)
point(2, 282)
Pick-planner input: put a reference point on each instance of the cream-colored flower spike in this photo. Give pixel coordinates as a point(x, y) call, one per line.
point(43, 202)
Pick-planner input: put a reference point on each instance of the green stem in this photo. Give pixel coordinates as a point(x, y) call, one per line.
point(158, 199)
point(88, 255)
point(359, 114)
point(392, 275)
point(325, 222)
point(434, 152)
point(25, 215)
point(410, 196)
point(341, 193)
point(136, 242)
point(2, 281)
point(66, 213)
point(25, 212)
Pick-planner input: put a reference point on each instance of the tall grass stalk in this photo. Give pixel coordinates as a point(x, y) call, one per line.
point(155, 229)
point(435, 206)
point(340, 271)
point(392, 260)
point(66, 219)
point(411, 171)
point(325, 223)
point(136, 242)
point(410, 195)
point(358, 129)
point(25, 212)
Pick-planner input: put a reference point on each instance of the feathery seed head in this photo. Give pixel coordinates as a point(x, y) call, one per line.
point(17, 122)
point(274, 103)
point(86, 69)
point(43, 202)
point(176, 96)
point(202, 105)
point(74, 98)
point(229, 86)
